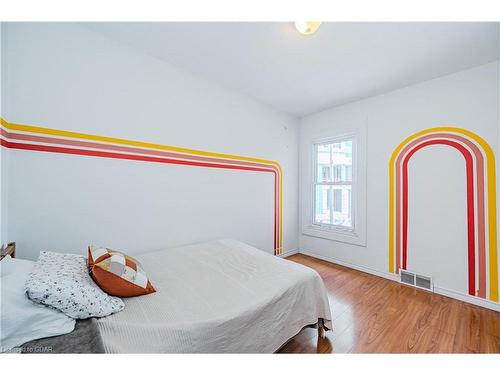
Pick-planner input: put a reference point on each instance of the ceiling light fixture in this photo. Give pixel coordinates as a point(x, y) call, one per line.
point(307, 27)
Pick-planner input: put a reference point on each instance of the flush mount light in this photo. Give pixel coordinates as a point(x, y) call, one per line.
point(307, 27)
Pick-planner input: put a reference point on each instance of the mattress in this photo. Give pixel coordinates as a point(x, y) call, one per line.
point(217, 297)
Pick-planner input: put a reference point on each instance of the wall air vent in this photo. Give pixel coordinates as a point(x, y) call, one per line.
point(407, 277)
point(423, 282)
point(413, 279)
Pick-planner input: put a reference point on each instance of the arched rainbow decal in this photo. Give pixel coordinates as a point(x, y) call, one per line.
point(481, 204)
point(34, 138)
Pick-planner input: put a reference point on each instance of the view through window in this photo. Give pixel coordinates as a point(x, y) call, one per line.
point(333, 183)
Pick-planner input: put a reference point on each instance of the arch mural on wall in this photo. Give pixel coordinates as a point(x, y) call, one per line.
point(35, 138)
point(482, 243)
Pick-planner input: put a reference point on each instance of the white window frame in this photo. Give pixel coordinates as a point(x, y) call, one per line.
point(356, 234)
point(333, 183)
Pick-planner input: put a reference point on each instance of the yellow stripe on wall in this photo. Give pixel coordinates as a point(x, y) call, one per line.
point(491, 193)
point(77, 135)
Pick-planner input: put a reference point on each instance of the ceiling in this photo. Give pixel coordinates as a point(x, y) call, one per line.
point(298, 74)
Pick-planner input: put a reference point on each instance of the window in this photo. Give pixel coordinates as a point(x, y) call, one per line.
point(348, 172)
point(337, 200)
point(337, 172)
point(333, 184)
point(332, 196)
point(326, 173)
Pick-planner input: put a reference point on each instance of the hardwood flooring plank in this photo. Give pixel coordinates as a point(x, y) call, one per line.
point(371, 314)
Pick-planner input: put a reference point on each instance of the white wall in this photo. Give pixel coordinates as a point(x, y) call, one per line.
point(3, 152)
point(65, 76)
point(437, 237)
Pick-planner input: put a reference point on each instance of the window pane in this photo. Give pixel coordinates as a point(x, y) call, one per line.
point(342, 203)
point(332, 205)
point(333, 183)
point(326, 173)
point(322, 204)
point(348, 173)
point(337, 200)
point(334, 162)
point(324, 166)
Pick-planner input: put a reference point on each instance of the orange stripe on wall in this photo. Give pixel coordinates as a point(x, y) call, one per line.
point(164, 153)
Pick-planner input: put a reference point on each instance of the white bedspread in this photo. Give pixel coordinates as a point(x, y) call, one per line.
point(217, 297)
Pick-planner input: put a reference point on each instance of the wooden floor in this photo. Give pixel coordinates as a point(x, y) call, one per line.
point(374, 315)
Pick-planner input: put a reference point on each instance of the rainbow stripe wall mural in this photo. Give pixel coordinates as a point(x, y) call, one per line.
point(481, 204)
point(35, 138)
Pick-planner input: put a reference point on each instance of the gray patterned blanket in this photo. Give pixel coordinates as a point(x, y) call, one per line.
point(84, 339)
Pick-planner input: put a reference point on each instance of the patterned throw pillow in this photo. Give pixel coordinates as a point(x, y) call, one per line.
point(63, 282)
point(118, 274)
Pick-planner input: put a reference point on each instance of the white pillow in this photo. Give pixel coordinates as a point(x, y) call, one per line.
point(22, 320)
point(10, 265)
point(63, 282)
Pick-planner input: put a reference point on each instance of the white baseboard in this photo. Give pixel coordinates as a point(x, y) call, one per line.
point(467, 298)
point(289, 252)
point(385, 275)
point(438, 290)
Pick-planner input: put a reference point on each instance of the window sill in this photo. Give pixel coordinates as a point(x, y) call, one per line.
point(338, 234)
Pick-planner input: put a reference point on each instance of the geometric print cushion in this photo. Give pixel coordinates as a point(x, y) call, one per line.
point(62, 281)
point(118, 274)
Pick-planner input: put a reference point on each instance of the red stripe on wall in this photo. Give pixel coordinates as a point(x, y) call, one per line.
point(115, 155)
point(102, 146)
point(470, 206)
point(479, 185)
point(128, 149)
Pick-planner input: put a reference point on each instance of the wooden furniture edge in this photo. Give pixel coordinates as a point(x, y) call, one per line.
point(321, 328)
point(9, 250)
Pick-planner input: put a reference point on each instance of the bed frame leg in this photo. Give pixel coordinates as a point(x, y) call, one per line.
point(321, 329)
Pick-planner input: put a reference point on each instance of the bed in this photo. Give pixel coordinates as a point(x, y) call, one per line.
point(215, 297)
